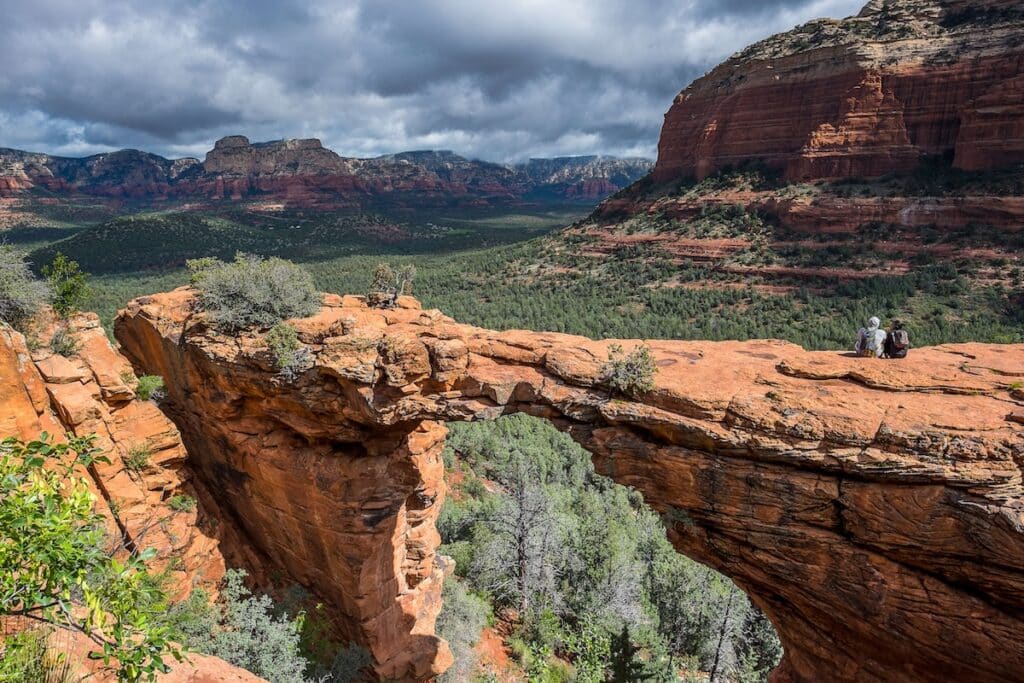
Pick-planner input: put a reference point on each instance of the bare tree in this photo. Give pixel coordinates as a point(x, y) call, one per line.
point(525, 536)
point(724, 661)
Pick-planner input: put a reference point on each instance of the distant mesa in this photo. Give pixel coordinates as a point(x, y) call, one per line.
point(303, 173)
point(864, 96)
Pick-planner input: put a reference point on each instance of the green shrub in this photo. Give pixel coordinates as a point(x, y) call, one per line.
point(63, 342)
point(388, 284)
point(150, 387)
point(21, 293)
point(244, 630)
point(253, 292)
point(630, 374)
point(290, 356)
point(182, 503)
point(68, 283)
point(55, 566)
point(137, 458)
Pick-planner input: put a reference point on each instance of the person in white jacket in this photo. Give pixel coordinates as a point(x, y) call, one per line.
point(871, 339)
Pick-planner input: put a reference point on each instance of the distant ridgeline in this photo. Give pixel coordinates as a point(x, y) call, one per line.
point(303, 173)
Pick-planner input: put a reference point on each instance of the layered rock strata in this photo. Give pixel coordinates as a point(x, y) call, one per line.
point(864, 96)
point(874, 510)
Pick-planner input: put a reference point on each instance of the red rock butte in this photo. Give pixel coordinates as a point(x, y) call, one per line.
point(864, 96)
point(873, 509)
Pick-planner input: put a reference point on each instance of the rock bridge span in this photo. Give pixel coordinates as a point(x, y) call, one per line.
point(874, 510)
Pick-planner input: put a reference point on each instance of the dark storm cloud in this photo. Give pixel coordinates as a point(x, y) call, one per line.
point(500, 81)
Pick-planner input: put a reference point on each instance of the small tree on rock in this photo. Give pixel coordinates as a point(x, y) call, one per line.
point(629, 374)
point(68, 283)
point(389, 284)
point(253, 291)
point(290, 356)
point(21, 293)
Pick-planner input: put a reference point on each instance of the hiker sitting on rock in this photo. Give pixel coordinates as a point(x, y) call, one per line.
point(871, 339)
point(897, 342)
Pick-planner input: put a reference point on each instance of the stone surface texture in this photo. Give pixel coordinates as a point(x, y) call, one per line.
point(863, 96)
point(874, 509)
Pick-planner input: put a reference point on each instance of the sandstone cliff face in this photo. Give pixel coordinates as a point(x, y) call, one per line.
point(874, 510)
point(864, 96)
point(92, 392)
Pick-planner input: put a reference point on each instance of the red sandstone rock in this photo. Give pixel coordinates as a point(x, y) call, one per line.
point(89, 393)
point(874, 509)
point(302, 173)
point(864, 96)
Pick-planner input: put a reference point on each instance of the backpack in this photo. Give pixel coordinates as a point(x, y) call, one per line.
point(900, 340)
point(873, 343)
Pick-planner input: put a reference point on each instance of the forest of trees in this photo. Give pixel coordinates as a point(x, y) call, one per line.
point(569, 559)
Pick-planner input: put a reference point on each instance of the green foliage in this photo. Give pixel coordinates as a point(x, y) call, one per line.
point(462, 618)
point(68, 284)
point(280, 644)
point(590, 558)
point(181, 503)
point(290, 356)
point(27, 657)
point(254, 292)
point(149, 387)
point(328, 659)
point(54, 566)
point(21, 294)
point(630, 374)
point(64, 342)
point(242, 629)
point(137, 457)
point(467, 268)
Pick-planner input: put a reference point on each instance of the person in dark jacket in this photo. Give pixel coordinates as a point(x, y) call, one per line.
point(897, 341)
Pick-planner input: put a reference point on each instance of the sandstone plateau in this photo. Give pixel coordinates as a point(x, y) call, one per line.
point(864, 96)
point(305, 174)
point(873, 509)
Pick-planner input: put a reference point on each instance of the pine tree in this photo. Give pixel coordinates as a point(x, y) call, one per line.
point(625, 666)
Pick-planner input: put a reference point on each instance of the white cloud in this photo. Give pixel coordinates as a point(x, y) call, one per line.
point(494, 80)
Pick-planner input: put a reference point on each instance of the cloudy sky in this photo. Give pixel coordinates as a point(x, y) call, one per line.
point(493, 79)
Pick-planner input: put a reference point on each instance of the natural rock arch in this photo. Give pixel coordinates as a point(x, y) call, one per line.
point(872, 509)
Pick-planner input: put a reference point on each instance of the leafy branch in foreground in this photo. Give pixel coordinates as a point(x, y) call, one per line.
point(55, 567)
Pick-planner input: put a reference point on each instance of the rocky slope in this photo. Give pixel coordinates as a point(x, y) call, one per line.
point(92, 391)
point(893, 137)
point(873, 509)
point(303, 173)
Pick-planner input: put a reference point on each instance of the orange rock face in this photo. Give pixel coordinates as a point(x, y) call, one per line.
point(92, 392)
point(873, 509)
point(865, 96)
